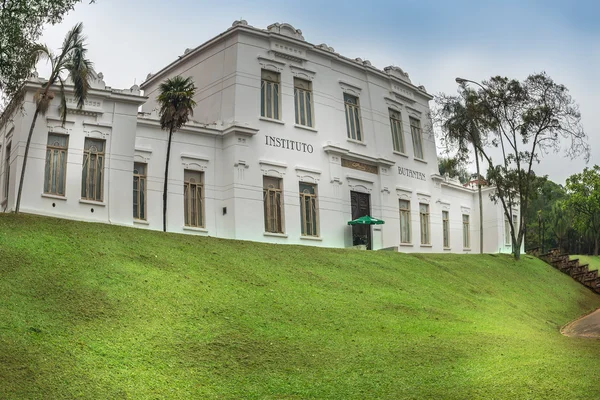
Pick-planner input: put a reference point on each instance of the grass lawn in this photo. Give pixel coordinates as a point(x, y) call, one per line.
point(593, 261)
point(94, 311)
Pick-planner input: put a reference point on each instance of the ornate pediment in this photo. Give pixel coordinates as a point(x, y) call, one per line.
point(286, 30)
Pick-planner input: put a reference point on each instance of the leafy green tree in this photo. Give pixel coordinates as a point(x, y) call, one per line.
point(72, 60)
point(454, 168)
point(540, 219)
point(524, 120)
point(584, 199)
point(21, 23)
point(176, 100)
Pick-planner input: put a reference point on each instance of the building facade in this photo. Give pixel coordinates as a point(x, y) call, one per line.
point(289, 141)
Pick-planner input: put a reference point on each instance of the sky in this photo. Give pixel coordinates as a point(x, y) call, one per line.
point(434, 41)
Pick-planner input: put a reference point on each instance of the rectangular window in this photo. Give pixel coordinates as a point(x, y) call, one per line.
point(466, 232)
point(139, 191)
point(404, 221)
point(424, 216)
point(269, 94)
point(507, 238)
point(397, 136)
point(303, 102)
point(273, 204)
point(415, 131)
point(309, 211)
point(56, 164)
point(446, 228)
point(193, 198)
point(7, 171)
point(92, 177)
point(353, 124)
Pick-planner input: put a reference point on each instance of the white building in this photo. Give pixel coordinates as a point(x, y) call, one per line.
point(289, 142)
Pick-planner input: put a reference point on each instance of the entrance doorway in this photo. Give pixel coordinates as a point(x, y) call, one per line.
point(360, 203)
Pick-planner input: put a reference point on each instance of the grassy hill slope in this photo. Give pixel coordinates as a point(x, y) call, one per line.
point(98, 311)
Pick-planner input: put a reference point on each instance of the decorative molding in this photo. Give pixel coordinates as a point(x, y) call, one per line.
point(309, 170)
point(401, 94)
point(271, 64)
point(360, 166)
point(465, 209)
point(393, 103)
point(194, 161)
point(141, 158)
point(414, 112)
point(97, 134)
point(385, 190)
point(288, 52)
point(241, 164)
point(350, 88)
point(403, 193)
point(336, 149)
point(195, 157)
point(302, 73)
point(424, 199)
point(273, 168)
point(285, 29)
point(426, 194)
point(59, 129)
point(336, 180)
point(397, 72)
point(308, 174)
point(143, 149)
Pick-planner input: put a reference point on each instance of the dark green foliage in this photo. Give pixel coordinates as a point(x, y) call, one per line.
point(21, 23)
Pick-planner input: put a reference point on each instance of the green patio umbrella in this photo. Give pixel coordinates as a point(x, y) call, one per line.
point(366, 220)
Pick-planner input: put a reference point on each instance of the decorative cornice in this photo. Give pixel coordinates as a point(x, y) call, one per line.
point(270, 64)
point(348, 87)
point(302, 73)
point(334, 149)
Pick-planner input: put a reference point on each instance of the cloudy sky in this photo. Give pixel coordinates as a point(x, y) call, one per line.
point(434, 41)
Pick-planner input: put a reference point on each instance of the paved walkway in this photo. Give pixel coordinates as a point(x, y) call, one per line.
point(585, 327)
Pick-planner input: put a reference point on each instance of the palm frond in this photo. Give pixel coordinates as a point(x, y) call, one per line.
point(63, 102)
point(176, 100)
point(80, 69)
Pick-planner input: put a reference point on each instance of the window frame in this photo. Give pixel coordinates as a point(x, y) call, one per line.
point(425, 224)
point(445, 229)
point(466, 222)
point(272, 86)
point(51, 151)
point(405, 212)
point(397, 131)
point(354, 131)
point(417, 138)
point(193, 205)
point(141, 196)
point(273, 206)
point(87, 156)
point(309, 222)
point(6, 185)
point(306, 95)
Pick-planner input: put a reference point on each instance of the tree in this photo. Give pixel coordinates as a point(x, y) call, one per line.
point(454, 168)
point(176, 100)
point(21, 23)
point(72, 59)
point(584, 198)
point(524, 120)
point(456, 116)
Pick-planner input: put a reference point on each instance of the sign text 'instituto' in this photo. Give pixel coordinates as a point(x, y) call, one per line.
point(411, 173)
point(288, 144)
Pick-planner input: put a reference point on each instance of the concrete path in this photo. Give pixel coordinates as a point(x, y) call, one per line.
point(584, 327)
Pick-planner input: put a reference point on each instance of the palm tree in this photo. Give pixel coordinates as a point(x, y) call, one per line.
point(176, 100)
point(72, 59)
point(456, 116)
